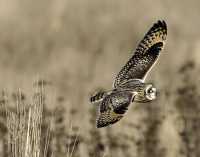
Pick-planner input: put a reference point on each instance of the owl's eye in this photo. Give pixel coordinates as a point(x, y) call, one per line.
point(151, 93)
point(150, 90)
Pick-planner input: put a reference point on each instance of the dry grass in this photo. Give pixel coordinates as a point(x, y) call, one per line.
point(25, 127)
point(30, 129)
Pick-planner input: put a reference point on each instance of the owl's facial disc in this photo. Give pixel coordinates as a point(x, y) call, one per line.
point(150, 92)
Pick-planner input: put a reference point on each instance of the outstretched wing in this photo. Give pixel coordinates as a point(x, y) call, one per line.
point(145, 55)
point(113, 108)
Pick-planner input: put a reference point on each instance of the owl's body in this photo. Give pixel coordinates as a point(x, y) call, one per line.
point(115, 103)
point(129, 84)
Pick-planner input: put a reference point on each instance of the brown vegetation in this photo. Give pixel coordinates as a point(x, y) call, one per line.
point(78, 47)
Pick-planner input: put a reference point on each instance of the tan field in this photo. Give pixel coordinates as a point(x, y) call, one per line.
point(78, 47)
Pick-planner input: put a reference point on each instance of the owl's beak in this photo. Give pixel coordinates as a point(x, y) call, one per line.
point(154, 92)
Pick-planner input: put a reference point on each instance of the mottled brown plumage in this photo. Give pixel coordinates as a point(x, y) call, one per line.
point(113, 106)
point(129, 84)
point(145, 55)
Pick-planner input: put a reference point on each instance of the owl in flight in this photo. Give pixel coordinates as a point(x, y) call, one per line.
point(129, 85)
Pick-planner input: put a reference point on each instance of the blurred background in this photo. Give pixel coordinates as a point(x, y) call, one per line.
point(78, 46)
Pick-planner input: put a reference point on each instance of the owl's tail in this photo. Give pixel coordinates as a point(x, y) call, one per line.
point(97, 97)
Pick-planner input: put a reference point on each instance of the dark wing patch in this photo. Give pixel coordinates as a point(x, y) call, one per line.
point(145, 55)
point(113, 108)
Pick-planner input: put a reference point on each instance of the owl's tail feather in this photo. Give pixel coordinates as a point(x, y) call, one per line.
point(97, 97)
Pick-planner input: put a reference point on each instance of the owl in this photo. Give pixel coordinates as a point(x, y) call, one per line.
point(129, 85)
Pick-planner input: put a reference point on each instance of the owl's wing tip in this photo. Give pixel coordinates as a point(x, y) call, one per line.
point(100, 124)
point(162, 24)
point(162, 21)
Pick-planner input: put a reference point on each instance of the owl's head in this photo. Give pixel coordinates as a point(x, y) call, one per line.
point(146, 93)
point(150, 92)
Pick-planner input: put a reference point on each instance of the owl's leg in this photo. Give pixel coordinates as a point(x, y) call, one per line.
point(97, 97)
